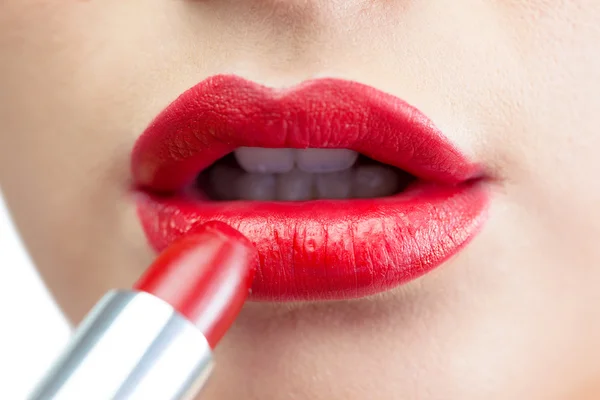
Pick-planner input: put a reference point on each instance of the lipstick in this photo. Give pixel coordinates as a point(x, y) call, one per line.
point(155, 341)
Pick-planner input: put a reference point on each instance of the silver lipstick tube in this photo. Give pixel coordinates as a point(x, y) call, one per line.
point(132, 346)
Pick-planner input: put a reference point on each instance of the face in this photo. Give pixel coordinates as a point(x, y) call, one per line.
point(508, 306)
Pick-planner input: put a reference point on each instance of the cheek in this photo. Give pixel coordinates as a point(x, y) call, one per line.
point(65, 144)
point(558, 107)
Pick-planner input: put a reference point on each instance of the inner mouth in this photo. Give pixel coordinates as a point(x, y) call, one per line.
point(265, 174)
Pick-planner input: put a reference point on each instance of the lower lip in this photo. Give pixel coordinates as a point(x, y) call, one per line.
point(334, 249)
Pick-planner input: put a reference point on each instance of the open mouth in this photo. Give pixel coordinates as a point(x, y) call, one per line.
point(346, 191)
point(253, 173)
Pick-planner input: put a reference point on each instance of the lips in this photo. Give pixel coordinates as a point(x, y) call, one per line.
point(321, 249)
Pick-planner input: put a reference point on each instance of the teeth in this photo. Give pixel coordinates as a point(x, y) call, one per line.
point(374, 181)
point(256, 187)
point(258, 159)
point(325, 160)
point(279, 161)
point(295, 185)
point(223, 180)
point(319, 174)
point(334, 185)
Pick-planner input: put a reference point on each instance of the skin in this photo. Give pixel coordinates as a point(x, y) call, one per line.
point(513, 83)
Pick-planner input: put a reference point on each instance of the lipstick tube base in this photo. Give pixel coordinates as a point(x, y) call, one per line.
point(131, 346)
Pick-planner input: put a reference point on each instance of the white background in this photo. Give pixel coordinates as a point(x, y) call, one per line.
point(32, 329)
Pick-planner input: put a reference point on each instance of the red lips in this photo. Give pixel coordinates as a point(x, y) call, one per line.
point(323, 249)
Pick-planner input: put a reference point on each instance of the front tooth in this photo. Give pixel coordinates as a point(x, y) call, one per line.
point(325, 160)
point(374, 181)
point(258, 159)
point(256, 186)
point(334, 185)
point(296, 185)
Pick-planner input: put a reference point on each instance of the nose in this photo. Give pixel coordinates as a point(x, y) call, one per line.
point(291, 39)
point(277, 32)
point(284, 17)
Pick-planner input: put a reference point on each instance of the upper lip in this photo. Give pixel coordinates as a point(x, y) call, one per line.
point(225, 112)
